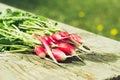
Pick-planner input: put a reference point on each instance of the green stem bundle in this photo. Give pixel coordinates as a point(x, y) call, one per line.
point(17, 29)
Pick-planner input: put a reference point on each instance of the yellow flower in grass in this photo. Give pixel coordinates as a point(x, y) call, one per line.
point(100, 27)
point(113, 31)
point(81, 14)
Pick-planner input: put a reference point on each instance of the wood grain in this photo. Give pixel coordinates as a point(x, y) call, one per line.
point(103, 63)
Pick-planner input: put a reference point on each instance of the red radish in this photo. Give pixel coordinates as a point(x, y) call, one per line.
point(47, 39)
point(54, 41)
point(76, 38)
point(40, 51)
point(47, 47)
point(64, 34)
point(67, 48)
point(59, 55)
point(78, 42)
point(58, 37)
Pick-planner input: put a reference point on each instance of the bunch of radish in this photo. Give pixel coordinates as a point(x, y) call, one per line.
point(16, 36)
point(58, 46)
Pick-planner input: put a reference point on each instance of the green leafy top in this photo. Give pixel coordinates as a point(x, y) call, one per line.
point(17, 29)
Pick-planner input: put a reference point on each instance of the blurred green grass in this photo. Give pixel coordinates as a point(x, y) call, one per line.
point(97, 16)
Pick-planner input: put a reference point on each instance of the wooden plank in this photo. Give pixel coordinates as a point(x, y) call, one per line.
point(100, 65)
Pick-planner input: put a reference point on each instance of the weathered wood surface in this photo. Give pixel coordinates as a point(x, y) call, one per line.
point(103, 64)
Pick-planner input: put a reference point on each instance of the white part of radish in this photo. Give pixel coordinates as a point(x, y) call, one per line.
point(55, 62)
point(48, 50)
point(77, 57)
point(82, 48)
point(50, 53)
point(79, 46)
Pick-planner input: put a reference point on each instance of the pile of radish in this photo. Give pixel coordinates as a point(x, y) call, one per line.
point(22, 32)
point(58, 46)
